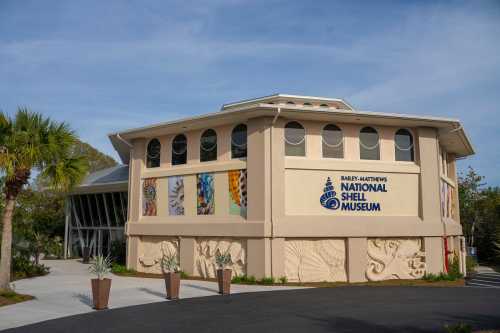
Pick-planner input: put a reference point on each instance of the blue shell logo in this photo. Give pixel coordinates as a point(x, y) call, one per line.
point(328, 199)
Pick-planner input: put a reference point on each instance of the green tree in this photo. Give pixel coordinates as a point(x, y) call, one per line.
point(96, 159)
point(480, 215)
point(469, 192)
point(488, 230)
point(31, 142)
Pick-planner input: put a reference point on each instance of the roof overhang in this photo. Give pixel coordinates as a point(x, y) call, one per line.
point(451, 133)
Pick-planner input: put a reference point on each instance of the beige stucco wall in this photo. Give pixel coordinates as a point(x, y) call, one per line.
point(401, 198)
point(284, 212)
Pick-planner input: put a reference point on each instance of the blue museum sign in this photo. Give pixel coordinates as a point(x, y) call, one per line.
point(353, 195)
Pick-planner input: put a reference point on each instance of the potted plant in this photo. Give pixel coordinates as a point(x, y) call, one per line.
point(171, 274)
point(223, 273)
point(100, 286)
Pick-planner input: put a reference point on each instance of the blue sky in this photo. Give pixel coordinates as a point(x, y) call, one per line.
point(104, 66)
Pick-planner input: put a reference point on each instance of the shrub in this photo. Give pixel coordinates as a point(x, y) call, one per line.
point(266, 281)
point(121, 269)
point(23, 267)
point(470, 264)
point(184, 275)
point(283, 280)
point(118, 252)
point(454, 268)
point(243, 279)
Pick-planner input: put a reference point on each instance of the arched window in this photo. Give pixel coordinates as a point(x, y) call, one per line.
point(208, 146)
point(369, 147)
point(307, 104)
point(295, 139)
point(179, 149)
point(324, 105)
point(290, 102)
point(239, 141)
point(333, 142)
point(403, 142)
point(153, 154)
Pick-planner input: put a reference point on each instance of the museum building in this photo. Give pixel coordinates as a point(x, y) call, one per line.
point(306, 188)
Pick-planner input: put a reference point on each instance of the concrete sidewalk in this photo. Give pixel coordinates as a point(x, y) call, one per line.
point(66, 291)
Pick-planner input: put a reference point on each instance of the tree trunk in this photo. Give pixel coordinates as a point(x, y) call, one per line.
point(5, 261)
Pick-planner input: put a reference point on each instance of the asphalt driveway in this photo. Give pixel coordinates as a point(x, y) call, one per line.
point(343, 309)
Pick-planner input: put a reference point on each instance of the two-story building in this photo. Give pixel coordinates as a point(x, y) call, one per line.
point(306, 188)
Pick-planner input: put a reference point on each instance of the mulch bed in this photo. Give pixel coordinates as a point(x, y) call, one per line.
point(10, 297)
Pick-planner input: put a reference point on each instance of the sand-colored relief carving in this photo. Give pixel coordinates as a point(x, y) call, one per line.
point(151, 251)
point(391, 258)
point(315, 260)
point(206, 249)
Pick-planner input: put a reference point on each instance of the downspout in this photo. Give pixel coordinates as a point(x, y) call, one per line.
point(125, 227)
point(271, 187)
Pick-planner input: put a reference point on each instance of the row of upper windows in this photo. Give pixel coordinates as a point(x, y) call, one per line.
point(333, 142)
point(208, 147)
point(295, 144)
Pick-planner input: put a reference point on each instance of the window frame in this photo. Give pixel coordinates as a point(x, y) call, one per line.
point(216, 145)
point(304, 141)
point(146, 157)
point(378, 144)
point(246, 142)
point(343, 142)
point(413, 144)
point(172, 149)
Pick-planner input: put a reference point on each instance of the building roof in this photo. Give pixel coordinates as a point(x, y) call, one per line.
point(336, 103)
point(107, 180)
point(452, 135)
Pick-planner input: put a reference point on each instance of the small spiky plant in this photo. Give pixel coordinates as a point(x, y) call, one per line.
point(222, 259)
point(169, 263)
point(101, 266)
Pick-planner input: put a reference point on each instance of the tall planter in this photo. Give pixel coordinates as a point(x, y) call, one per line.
point(172, 284)
point(86, 255)
point(224, 280)
point(100, 293)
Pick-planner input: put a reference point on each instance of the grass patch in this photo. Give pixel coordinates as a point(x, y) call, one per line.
point(11, 297)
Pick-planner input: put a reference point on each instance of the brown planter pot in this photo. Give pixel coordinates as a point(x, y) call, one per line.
point(224, 279)
point(172, 284)
point(100, 293)
point(86, 255)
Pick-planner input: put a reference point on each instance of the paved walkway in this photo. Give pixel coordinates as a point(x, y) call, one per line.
point(66, 291)
point(485, 278)
point(314, 310)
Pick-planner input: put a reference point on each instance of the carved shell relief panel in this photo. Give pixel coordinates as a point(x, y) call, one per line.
point(395, 258)
point(152, 250)
point(315, 260)
point(207, 248)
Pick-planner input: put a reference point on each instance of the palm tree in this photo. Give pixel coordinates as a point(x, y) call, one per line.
point(30, 142)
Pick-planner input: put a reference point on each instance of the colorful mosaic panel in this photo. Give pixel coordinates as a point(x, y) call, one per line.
point(149, 197)
point(176, 195)
point(238, 192)
point(206, 194)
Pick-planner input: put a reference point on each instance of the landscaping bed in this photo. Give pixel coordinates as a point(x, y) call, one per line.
point(434, 282)
point(11, 297)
